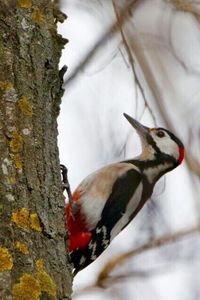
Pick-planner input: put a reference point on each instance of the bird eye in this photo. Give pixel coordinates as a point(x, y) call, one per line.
point(160, 134)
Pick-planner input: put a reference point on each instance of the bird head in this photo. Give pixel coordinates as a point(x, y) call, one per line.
point(158, 143)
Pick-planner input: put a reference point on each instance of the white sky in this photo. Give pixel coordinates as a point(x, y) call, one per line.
point(92, 129)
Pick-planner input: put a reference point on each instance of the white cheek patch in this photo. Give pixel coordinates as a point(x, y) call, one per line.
point(167, 145)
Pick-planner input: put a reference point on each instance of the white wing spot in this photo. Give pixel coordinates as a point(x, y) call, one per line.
point(98, 230)
point(104, 229)
point(90, 246)
point(105, 241)
point(82, 260)
point(93, 256)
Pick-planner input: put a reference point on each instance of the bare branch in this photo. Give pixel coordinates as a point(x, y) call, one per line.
point(187, 6)
point(110, 32)
point(193, 164)
point(164, 240)
point(131, 61)
point(122, 277)
point(104, 279)
point(151, 81)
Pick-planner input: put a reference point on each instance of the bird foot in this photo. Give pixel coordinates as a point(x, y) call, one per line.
point(66, 187)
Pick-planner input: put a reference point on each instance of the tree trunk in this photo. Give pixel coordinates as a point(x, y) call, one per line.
point(33, 260)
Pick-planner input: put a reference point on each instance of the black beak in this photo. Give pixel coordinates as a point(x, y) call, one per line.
point(142, 130)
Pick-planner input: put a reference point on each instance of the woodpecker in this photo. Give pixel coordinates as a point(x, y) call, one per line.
point(107, 200)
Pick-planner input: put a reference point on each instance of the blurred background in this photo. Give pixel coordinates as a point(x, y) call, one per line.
point(141, 57)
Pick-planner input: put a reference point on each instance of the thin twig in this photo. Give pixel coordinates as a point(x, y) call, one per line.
point(131, 61)
point(151, 81)
point(186, 6)
point(109, 32)
point(193, 164)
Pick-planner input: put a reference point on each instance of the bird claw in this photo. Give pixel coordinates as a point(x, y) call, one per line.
point(65, 182)
point(66, 186)
point(64, 172)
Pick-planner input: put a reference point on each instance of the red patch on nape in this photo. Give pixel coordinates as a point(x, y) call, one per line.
point(181, 154)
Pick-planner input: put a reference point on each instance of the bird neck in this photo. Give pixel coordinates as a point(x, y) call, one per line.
point(153, 169)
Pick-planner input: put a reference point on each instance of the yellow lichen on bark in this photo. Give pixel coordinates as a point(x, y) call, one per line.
point(16, 146)
point(6, 85)
point(27, 289)
point(12, 179)
point(37, 16)
point(25, 3)
point(21, 218)
point(30, 287)
point(6, 261)
point(16, 143)
point(18, 161)
point(35, 223)
point(25, 106)
point(27, 221)
point(46, 282)
point(22, 247)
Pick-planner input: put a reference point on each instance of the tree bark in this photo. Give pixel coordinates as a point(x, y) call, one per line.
point(33, 260)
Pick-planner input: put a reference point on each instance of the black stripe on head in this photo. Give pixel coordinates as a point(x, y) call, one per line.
point(151, 142)
point(173, 137)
